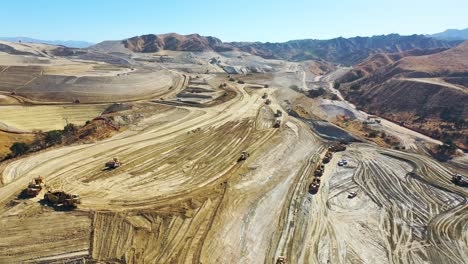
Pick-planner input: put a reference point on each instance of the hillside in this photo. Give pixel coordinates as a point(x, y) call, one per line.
point(427, 93)
point(451, 34)
point(339, 50)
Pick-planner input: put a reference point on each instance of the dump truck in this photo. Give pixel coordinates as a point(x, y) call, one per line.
point(281, 260)
point(62, 198)
point(278, 113)
point(277, 123)
point(244, 155)
point(35, 186)
point(460, 180)
point(314, 186)
point(114, 163)
point(328, 157)
point(264, 96)
point(268, 101)
point(319, 170)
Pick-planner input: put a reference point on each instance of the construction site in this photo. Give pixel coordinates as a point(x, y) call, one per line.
point(213, 163)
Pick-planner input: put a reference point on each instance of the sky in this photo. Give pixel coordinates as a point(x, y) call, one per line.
point(235, 20)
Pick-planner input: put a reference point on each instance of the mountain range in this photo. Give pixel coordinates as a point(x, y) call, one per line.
point(67, 43)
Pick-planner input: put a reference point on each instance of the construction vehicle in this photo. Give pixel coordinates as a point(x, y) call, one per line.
point(460, 180)
point(337, 147)
point(62, 198)
point(281, 260)
point(277, 123)
point(278, 113)
point(113, 164)
point(328, 157)
point(264, 96)
point(351, 195)
point(244, 156)
point(268, 101)
point(342, 162)
point(314, 186)
point(319, 170)
point(35, 186)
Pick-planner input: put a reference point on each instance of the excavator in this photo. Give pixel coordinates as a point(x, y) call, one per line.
point(35, 186)
point(62, 198)
point(113, 164)
point(244, 155)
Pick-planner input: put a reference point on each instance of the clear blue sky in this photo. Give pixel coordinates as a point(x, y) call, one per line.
point(234, 20)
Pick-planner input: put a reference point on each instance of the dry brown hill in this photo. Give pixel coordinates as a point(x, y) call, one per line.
point(428, 93)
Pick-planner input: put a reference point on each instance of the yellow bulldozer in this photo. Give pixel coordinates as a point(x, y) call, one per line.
point(62, 198)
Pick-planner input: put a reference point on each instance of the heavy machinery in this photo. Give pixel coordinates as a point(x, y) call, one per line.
point(314, 186)
point(351, 195)
point(62, 198)
point(281, 260)
point(328, 157)
point(337, 147)
point(264, 96)
point(277, 123)
point(244, 155)
point(319, 170)
point(278, 113)
point(35, 186)
point(113, 164)
point(342, 162)
point(268, 101)
point(460, 180)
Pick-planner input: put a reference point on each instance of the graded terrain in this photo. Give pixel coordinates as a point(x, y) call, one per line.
point(186, 192)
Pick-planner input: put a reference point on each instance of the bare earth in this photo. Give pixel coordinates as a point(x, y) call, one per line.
point(181, 196)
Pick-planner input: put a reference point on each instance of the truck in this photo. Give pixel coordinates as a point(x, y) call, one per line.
point(113, 164)
point(460, 180)
point(35, 186)
point(62, 198)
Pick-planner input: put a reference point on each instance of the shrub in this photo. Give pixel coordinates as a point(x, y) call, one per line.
point(336, 85)
point(19, 148)
point(355, 87)
point(53, 137)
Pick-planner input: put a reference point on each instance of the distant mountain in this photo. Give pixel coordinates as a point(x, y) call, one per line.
point(451, 34)
point(347, 51)
point(67, 43)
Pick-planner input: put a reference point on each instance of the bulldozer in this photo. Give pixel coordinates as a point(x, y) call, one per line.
point(281, 260)
point(113, 164)
point(244, 155)
point(35, 186)
point(319, 170)
point(314, 186)
point(62, 198)
point(460, 180)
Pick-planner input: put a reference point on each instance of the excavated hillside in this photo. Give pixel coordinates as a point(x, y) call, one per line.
point(339, 50)
point(427, 93)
